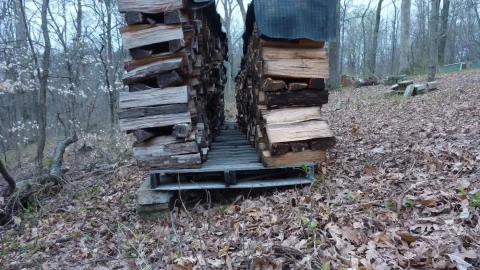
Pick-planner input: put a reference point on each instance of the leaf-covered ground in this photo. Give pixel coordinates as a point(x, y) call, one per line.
point(401, 190)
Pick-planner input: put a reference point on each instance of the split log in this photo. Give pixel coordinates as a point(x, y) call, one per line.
point(150, 111)
point(151, 70)
point(135, 36)
point(175, 17)
point(168, 79)
point(154, 121)
point(302, 131)
point(154, 97)
point(149, 6)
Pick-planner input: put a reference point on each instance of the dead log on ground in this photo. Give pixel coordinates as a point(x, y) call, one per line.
point(10, 181)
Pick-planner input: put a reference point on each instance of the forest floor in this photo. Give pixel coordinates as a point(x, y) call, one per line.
point(400, 190)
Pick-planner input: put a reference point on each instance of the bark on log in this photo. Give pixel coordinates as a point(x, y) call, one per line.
point(56, 168)
point(10, 181)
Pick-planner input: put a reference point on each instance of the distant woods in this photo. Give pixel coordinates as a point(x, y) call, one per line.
point(388, 37)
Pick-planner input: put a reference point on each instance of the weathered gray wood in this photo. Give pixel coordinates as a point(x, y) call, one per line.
point(170, 78)
point(149, 6)
point(175, 17)
point(139, 87)
point(134, 17)
point(176, 45)
point(432, 85)
point(149, 111)
point(142, 135)
point(152, 149)
point(150, 70)
point(420, 88)
point(139, 53)
point(154, 97)
point(135, 36)
point(409, 91)
point(154, 121)
point(189, 161)
point(182, 130)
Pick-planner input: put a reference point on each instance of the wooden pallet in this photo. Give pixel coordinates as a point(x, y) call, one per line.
point(232, 163)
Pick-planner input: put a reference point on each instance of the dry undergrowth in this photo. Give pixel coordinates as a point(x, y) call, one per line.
point(400, 190)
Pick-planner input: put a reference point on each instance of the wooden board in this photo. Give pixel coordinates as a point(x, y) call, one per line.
point(292, 115)
point(154, 121)
point(154, 97)
point(293, 53)
point(296, 68)
point(293, 158)
point(133, 64)
point(150, 70)
point(135, 36)
point(298, 98)
point(154, 148)
point(188, 161)
point(149, 6)
point(149, 111)
point(302, 131)
point(302, 43)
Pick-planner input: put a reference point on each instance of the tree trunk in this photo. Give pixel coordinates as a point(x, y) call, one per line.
point(394, 37)
point(55, 169)
point(405, 35)
point(443, 32)
point(242, 10)
point(433, 29)
point(373, 53)
point(334, 53)
point(42, 123)
point(8, 178)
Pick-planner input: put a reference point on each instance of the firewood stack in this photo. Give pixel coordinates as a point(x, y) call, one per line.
point(280, 93)
point(175, 76)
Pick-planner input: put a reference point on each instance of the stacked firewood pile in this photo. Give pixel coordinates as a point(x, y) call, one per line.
point(280, 93)
point(175, 76)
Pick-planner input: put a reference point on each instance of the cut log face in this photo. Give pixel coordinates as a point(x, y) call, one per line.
point(135, 36)
point(150, 70)
point(302, 131)
point(149, 6)
point(154, 97)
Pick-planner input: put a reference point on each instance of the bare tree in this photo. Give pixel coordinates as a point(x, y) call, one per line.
point(373, 53)
point(334, 55)
point(443, 32)
point(405, 34)
point(433, 29)
point(42, 76)
point(242, 10)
